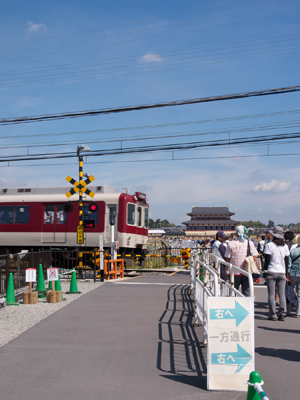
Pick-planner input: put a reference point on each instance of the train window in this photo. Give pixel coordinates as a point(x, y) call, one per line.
point(61, 215)
point(112, 213)
point(49, 214)
point(146, 218)
point(130, 214)
point(6, 214)
point(139, 215)
point(21, 215)
point(88, 215)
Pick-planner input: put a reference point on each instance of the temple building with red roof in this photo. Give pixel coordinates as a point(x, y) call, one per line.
point(207, 221)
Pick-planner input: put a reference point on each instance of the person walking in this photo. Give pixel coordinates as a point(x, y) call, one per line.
point(276, 261)
point(288, 237)
point(219, 249)
point(236, 253)
point(293, 274)
point(260, 249)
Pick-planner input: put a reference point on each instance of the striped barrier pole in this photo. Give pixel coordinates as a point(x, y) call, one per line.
point(260, 391)
point(255, 390)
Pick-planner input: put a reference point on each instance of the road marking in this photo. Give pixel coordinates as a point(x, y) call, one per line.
point(173, 273)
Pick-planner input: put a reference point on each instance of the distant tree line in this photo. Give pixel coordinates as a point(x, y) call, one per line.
point(164, 223)
point(253, 224)
point(258, 224)
point(160, 223)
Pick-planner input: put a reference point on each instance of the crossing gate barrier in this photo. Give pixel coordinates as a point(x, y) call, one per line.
point(113, 268)
point(117, 269)
point(186, 254)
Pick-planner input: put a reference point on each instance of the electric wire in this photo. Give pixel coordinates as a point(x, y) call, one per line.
point(169, 53)
point(89, 71)
point(150, 29)
point(161, 136)
point(128, 23)
point(155, 148)
point(153, 160)
point(157, 126)
point(146, 69)
point(150, 37)
point(49, 117)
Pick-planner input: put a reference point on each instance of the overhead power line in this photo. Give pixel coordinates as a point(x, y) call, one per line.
point(143, 21)
point(139, 38)
point(122, 34)
point(156, 148)
point(89, 113)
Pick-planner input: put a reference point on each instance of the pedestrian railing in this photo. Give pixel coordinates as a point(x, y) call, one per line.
point(205, 282)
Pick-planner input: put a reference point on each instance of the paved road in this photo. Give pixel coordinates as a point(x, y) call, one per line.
point(134, 340)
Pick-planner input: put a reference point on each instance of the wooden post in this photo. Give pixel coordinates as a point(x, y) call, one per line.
point(30, 297)
point(51, 296)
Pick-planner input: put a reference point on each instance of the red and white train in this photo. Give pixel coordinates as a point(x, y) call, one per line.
point(37, 218)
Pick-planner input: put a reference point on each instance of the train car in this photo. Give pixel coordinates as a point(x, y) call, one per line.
point(35, 218)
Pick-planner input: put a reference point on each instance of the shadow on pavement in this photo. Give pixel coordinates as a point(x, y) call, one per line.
point(285, 354)
point(280, 330)
point(179, 347)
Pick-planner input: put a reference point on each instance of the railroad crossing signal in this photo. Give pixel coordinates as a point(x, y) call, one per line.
point(80, 186)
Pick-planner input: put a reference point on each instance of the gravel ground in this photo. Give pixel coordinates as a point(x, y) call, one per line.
point(15, 320)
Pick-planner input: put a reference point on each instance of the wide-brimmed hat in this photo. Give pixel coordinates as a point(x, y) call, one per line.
point(277, 232)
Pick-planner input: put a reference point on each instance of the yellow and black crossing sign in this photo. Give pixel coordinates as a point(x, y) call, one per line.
point(80, 186)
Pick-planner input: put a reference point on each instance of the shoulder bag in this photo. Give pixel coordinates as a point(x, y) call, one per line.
point(250, 264)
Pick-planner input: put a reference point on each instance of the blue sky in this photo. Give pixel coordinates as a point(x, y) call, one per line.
point(72, 56)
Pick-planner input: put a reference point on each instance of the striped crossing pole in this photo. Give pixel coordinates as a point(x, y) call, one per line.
point(80, 158)
point(81, 188)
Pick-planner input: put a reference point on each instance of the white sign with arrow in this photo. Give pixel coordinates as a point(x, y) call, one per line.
point(230, 352)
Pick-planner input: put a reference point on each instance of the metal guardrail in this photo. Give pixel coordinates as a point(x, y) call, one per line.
point(205, 282)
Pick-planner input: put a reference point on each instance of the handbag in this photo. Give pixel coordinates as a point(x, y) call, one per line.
point(290, 294)
point(250, 264)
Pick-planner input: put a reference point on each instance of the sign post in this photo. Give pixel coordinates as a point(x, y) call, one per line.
point(230, 352)
point(101, 257)
point(53, 296)
point(30, 297)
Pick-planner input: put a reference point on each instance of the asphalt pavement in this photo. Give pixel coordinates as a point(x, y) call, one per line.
point(134, 339)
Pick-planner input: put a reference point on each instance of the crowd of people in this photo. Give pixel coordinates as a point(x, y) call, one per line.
point(275, 255)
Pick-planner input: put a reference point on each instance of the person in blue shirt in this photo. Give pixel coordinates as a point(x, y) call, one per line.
point(293, 274)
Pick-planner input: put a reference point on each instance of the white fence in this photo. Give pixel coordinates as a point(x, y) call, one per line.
point(206, 282)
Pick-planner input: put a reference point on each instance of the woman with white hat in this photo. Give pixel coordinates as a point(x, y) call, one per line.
point(293, 273)
point(276, 261)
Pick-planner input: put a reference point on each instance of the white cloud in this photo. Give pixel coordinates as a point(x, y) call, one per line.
point(5, 183)
point(25, 102)
point(32, 28)
point(150, 57)
point(273, 186)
